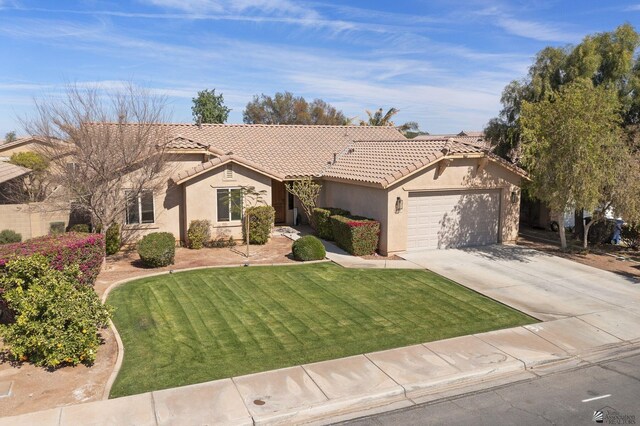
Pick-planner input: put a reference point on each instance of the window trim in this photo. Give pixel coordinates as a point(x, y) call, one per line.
point(230, 220)
point(139, 205)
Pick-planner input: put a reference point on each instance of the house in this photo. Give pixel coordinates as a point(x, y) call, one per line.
point(9, 174)
point(21, 144)
point(433, 193)
point(437, 192)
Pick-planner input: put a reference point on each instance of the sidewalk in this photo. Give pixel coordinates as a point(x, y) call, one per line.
point(364, 384)
point(586, 322)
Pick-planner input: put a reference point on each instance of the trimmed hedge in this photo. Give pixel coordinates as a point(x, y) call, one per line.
point(113, 239)
point(199, 234)
point(63, 250)
point(157, 249)
point(322, 220)
point(260, 223)
point(355, 234)
point(7, 236)
point(80, 227)
point(308, 248)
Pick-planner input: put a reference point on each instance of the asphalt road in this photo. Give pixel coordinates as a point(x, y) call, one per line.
point(566, 398)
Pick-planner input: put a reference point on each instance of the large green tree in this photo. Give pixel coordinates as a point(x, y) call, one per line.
point(574, 149)
point(285, 108)
point(209, 107)
point(605, 59)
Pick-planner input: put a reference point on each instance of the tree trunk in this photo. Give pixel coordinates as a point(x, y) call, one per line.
point(585, 234)
point(561, 232)
point(246, 227)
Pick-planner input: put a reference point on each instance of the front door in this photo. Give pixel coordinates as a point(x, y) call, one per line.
point(279, 201)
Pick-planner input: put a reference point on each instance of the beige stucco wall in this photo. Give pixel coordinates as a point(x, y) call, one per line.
point(201, 202)
point(460, 174)
point(167, 203)
point(359, 200)
point(31, 220)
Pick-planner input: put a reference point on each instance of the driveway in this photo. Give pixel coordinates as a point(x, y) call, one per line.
point(544, 286)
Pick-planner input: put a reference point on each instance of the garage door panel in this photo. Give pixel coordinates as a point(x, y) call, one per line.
point(455, 219)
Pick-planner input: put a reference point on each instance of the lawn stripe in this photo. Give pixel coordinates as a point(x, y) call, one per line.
point(214, 323)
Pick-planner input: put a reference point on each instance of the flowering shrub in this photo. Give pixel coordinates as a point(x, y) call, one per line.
point(84, 250)
point(54, 319)
point(357, 235)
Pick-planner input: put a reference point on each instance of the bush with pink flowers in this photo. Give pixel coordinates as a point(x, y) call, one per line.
point(62, 250)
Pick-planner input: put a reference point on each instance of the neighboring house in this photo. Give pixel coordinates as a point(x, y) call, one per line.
point(434, 193)
point(22, 144)
point(9, 174)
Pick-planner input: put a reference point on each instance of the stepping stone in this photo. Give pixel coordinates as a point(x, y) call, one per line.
point(5, 389)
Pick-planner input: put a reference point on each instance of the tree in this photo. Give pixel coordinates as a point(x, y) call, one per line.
point(573, 149)
point(10, 136)
point(380, 118)
point(209, 107)
point(604, 59)
point(104, 149)
point(285, 108)
point(249, 197)
point(33, 187)
point(307, 190)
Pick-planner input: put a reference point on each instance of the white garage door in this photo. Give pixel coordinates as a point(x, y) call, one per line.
point(452, 219)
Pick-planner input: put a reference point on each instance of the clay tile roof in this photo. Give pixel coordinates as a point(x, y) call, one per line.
point(464, 136)
point(289, 150)
point(219, 161)
point(384, 162)
point(10, 171)
point(180, 142)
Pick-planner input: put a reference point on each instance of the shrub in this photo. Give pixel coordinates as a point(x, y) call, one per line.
point(308, 248)
point(62, 251)
point(8, 236)
point(601, 232)
point(157, 249)
point(112, 239)
point(56, 228)
point(357, 235)
point(199, 234)
point(260, 222)
point(56, 320)
point(630, 235)
point(322, 220)
point(80, 227)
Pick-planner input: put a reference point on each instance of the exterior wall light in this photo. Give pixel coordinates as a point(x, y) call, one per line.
point(399, 205)
point(514, 197)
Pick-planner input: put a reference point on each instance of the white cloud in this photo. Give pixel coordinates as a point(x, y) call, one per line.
point(537, 30)
point(277, 7)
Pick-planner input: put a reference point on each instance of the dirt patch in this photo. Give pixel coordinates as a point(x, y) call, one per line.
point(609, 258)
point(36, 389)
point(377, 256)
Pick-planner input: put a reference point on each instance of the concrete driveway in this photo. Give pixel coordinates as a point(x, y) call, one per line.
point(544, 286)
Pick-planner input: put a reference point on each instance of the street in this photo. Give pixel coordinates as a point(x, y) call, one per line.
point(567, 398)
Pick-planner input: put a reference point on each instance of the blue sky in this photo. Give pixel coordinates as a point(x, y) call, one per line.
point(442, 63)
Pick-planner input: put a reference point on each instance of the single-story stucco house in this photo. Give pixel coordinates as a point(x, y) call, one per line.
point(429, 192)
point(434, 193)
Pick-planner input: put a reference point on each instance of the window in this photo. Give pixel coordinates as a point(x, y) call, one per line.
point(139, 208)
point(229, 204)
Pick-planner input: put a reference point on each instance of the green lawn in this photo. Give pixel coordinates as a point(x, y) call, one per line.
point(209, 324)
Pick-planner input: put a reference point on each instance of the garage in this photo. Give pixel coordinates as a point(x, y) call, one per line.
point(449, 219)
